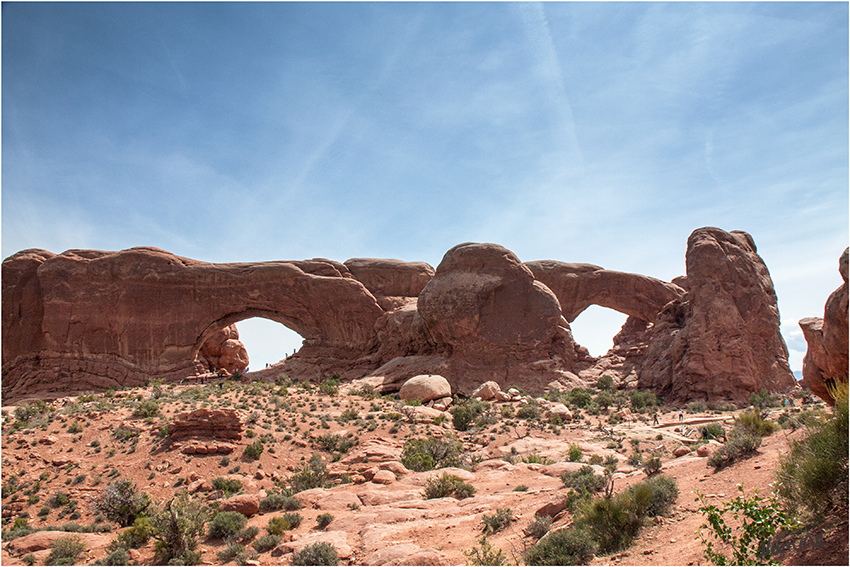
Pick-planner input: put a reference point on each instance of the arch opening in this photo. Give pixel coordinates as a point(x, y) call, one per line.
point(267, 342)
point(595, 328)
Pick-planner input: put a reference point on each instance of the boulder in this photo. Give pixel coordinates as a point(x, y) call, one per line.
point(247, 504)
point(722, 339)
point(561, 411)
point(552, 509)
point(338, 539)
point(224, 351)
point(681, 451)
point(425, 388)
point(705, 450)
point(383, 477)
point(43, 540)
point(486, 391)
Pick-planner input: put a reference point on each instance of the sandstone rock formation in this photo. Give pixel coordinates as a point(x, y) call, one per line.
point(425, 387)
point(827, 339)
point(224, 351)
point(722, 340)
point(206, 423)
point(91, 320)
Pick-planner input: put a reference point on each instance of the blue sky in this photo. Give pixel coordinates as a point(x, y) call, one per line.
point(582, 132)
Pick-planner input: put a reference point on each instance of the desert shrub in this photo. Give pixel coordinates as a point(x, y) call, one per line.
point(579, 397)
point(65, 550)
point(740, 443)
point(248, 534)
point(176, 527)
point(431, 453)
point(312, 474)
point(135, 536)
point(652, 465)
point(584, 480)
point(146, 408)
point(486, 555)
point(266, 543)
point(324, 520)
point(279, 524)
point(59, 499)
point(254, 450)
point(539, 526)
point(320, 553)
point(278, 501)
point(75, 427)
point(813, 475)
point(119, 556)
point(571, 546)
point(642, 399)
point(635, 459)
point(229, 486)
point(605, 382)
point(531, 410)
point(447, 485)
point(753, 421)
point(654, 496)
point(121, 503)
point(332, 442)
point(537, 458)
point(234, 552)
point(28, 410)
point(762, 400)
point(713, 430)
point(329, 387)
point(464, 413)
point(498, 521)
point(758, 520)
point(574, 453)
point(696, 406)
point(226, 525)
point(612, 522)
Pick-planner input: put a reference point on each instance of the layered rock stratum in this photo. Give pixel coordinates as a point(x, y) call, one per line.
point(91, 320)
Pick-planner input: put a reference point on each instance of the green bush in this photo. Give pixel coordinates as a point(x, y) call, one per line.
point(498, 521)
point(813, 475)
point(176, 527)
point(254, 450)
point(135, 536)
point(324, 520)
point(229, 486)
point(642, 399)
point(575, 453)
point(579, 397)
point(757, 519)
point(279, 524)
point(146, 408)
point(233, 552)
point(121, 503)
point(278, 501)
point(226, 525)
point(762, 400)
point(753, 421)
point(332, 442)
point(714, 430)
point(740, 443)
point(531, 410)
point(119, 556)
point(652, 465)
point(266, 543)
point(320, 553)
point(431, 453)
point(464, 413)
point(312, 474)
point(571, 546)
point(584, 480)
point(486, 555)
point(447, 485)
point(654, 496)
point(65, 550)
point(604, 382)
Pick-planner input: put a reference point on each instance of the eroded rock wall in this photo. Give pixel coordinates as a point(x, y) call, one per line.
point(827, 339)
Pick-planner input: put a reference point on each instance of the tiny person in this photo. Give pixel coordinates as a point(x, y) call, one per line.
point(681, 416)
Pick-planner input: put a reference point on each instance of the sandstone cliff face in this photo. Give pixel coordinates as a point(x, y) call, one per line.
point(722, 339)
point(827, 339)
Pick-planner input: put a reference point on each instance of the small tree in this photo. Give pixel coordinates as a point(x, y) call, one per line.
point(121, 503)
point(177, 526)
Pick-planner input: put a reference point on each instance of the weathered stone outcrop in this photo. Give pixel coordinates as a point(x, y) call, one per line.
point(91, 320)
point(827, 339)
point(87, 319)
point(224, 351)
point(578, 286)
point(206, 424)
point(722, 339)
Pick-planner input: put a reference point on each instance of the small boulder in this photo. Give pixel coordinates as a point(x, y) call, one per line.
point(383, 477)
point(681, 451)
point(704, 451)
point(486, 391)
point(47, 440)
point(425, 387)
point(247, 504)
point(561, 411)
